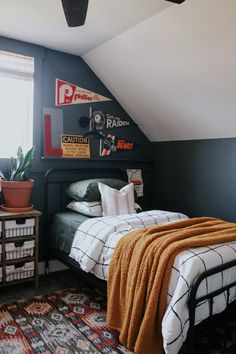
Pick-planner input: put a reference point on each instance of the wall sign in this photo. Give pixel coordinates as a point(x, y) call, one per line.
point(102, 120)
point(67, 94)
point(135, 177)
point(111, 144)
point(75, 146)
point(49, 148)
point(123, 144)
point(107, 145)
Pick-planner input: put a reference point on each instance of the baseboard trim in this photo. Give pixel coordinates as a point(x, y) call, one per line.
point(54, 266)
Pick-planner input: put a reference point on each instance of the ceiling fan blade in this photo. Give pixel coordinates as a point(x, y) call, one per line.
point(75, 11)
point(176, 1)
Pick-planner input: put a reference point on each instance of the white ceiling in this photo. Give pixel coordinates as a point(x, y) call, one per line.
point(43, 22)
point(175, 73)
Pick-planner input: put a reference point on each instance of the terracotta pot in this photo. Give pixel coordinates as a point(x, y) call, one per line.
point(17, 193)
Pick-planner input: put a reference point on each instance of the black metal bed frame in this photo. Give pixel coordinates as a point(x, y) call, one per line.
point(76, 171)
point(193, 299)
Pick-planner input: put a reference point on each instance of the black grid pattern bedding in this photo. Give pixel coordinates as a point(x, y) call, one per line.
point(94, 244)
point(96, 239)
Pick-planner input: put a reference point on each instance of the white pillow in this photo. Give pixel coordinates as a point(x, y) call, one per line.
point(116, 202)
point(93, 209)
point(86, 208)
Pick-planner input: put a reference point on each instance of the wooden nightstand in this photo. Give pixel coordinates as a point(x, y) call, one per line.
point(19, 233)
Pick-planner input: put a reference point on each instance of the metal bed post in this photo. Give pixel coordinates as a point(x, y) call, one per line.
point(46, 221)
point(194, 300)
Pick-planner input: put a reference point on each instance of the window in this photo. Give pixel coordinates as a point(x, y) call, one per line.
point(16, 103)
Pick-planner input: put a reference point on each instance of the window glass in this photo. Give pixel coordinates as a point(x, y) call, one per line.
point(16, 103)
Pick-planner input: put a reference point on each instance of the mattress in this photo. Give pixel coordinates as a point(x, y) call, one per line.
point(63, 228)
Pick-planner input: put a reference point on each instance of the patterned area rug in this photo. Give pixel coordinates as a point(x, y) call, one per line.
point(66, 322)
point(72, 321)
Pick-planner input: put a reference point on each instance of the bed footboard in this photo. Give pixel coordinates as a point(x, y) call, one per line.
point(194, 300)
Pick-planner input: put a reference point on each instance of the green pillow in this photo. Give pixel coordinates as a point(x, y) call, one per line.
point(88, 191)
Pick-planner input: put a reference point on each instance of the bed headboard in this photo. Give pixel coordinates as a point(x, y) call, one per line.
point(56, 180)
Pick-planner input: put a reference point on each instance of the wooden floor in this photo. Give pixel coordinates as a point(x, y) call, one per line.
point(47, 284)
point(57, 281)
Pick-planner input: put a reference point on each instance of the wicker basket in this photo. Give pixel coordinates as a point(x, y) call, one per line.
point(20, 227)
point(19, 249)
point(19, 271)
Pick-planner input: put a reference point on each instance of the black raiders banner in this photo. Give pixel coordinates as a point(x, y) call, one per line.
point(103, 120)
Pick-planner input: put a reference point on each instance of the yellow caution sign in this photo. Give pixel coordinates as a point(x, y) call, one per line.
point(75, 146)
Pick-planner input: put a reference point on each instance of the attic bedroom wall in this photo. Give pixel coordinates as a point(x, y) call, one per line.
point(175, 73)
point(196, 177)
point(49, 65)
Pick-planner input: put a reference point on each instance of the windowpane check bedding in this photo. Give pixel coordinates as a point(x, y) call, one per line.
point(94, 244)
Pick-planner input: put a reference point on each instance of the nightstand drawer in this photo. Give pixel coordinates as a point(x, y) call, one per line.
point(19, 227)
point(19, 249)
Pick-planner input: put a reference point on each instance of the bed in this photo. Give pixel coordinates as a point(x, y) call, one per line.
point(190, 296)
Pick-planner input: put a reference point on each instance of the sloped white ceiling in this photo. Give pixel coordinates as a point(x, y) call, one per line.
point(175, 73)
point(42, 22)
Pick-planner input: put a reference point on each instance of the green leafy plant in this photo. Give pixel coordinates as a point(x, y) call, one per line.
point(19, 165)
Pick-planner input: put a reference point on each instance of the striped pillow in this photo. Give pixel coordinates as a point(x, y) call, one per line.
point(116, 202)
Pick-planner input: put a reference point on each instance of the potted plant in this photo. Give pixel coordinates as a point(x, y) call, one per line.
point(16, 186)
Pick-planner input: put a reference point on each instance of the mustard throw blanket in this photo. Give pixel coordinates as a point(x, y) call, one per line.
point(139, 276)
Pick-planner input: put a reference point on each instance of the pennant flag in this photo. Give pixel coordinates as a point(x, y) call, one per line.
point(53, 125)
point(111, 144)
point(107, 145)
point(67, 94)
point(103, 120)
point(124, 145)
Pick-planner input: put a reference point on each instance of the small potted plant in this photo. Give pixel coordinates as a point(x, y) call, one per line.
point(16, 186)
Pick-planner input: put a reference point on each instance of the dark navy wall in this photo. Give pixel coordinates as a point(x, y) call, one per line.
point(196, 177)
point(50, 65)
point(74, 70)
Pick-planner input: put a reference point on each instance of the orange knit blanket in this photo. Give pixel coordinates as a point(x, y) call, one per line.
point(139, 276)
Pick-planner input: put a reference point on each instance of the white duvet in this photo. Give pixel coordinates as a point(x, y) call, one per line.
point(94, 244)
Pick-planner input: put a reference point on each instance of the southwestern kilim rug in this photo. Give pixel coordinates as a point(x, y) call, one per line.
point(66, 322)
point(73, 321)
